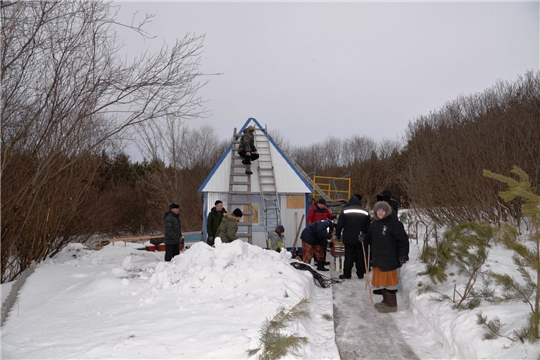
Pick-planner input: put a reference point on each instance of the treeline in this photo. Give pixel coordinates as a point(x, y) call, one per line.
point(438, 165)
point(69, 95)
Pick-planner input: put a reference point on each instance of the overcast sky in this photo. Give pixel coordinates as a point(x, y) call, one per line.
point(314, 70)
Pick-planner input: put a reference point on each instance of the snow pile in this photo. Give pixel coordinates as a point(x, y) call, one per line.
point(435, 330)
point(121, 302)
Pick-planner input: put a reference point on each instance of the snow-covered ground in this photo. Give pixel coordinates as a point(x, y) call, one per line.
point(435, 330)
point(209, 303)
point(120, 302)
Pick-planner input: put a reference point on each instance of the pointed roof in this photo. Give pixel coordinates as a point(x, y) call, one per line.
point(289, 178)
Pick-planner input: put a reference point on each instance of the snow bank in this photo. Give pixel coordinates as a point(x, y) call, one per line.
point(121, 302)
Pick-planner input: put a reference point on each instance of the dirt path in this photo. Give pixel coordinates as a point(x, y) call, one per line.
point(361, 331)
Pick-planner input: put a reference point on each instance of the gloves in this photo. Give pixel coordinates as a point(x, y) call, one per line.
point(402, 261)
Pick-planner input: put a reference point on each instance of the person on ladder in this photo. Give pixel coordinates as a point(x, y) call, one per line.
point(247, 149)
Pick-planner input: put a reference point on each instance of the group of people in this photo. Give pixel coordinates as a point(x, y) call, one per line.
point(219, 224)
point(382, 238)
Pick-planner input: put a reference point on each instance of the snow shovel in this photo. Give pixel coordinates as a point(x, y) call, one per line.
point(366, 264)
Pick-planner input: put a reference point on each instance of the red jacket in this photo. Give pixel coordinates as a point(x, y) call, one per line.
point(315, 214)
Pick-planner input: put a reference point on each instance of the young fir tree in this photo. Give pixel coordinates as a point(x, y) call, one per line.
point(464, 246)
point(273, 344)
point(526, 256)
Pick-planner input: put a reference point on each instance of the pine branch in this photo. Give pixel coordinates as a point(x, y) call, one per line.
point(493, 327)
point(272, 342)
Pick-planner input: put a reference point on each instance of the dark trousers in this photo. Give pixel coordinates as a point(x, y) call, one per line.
point(354, 256)
point(171, 251)
point(248, 159)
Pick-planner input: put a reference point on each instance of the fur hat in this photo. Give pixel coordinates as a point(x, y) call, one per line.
point(250, 128)
point(383, 205)
point(174, 206)
point(280, 229)
point(237, 212)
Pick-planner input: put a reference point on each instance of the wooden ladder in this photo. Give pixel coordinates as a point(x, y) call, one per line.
point(240, 191)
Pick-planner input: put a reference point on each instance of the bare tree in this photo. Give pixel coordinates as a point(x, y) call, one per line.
point(66, 91)
point(187, 155)
point(447, 151)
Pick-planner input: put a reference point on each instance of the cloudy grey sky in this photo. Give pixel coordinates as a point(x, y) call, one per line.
point(314, 70)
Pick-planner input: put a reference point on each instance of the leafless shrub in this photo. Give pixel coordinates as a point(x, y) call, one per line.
point(67, 94)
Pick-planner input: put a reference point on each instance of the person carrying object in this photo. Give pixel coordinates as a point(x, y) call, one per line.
point(390, 248)
point(353, 221)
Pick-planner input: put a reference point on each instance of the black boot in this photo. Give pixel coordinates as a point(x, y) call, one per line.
point(323, 262)
point(377, 292)
point(390, 304)
point(321, 267)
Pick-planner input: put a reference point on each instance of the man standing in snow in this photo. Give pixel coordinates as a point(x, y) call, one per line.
point(173, 231)
point(247, 149)
point(276, 238)
point(214, 220)
point(353, 221)
point(229, 226)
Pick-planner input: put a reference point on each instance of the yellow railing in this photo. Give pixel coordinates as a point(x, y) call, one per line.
point(334, 187)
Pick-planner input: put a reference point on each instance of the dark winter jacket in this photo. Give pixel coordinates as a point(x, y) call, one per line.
point(213, 221)
point(173, 230)
point(317, 214)
point(247, 142)
point(352, 220)
point(317, 233)
point(388, 239)
point(228, 228)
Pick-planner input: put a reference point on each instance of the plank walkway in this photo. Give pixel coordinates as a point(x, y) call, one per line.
point(361, 331)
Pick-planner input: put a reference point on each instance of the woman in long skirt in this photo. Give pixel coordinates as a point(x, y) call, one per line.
point(390, 249)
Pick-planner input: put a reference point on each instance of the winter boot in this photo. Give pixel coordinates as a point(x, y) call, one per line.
point(382, 304)
point(248, 170)
point(323, 262)
point(377, 292)
point(321, 267)
point(391, 302)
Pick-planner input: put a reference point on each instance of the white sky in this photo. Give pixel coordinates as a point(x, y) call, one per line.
point(314, 70)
